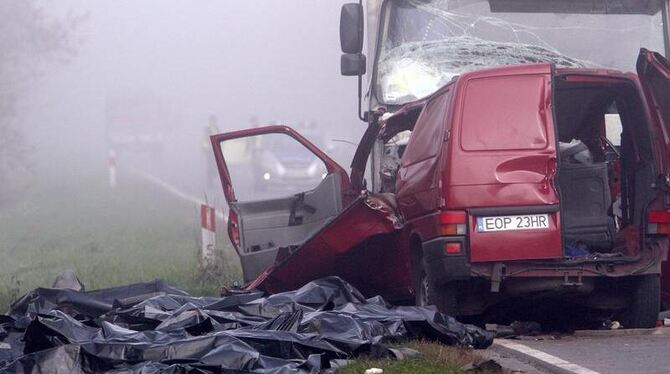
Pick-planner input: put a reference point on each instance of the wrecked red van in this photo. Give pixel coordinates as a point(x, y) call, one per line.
point(524, 181)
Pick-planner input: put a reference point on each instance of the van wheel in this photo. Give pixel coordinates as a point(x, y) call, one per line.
point(428, 293)
point(645, 302)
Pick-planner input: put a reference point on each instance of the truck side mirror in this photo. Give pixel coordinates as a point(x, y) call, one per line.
point(351, 28)
point(352, 64)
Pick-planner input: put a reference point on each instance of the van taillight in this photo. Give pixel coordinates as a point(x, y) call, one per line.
point(658, 222)
point(453, 222)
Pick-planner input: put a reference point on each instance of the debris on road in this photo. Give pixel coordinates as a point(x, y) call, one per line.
point(663, 319)
point(517, 328)
point(488, 366)
point(611, 325)
point(374, 371)
point(153, 326)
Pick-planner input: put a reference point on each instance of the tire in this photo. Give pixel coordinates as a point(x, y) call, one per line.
point(645, 302)
point(428, 293)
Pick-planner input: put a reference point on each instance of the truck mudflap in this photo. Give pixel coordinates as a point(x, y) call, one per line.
point(337, 249)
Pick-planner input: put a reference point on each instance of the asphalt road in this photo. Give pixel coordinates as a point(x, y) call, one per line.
point(621, 351)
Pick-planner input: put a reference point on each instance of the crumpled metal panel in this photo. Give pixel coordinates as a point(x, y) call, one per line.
point(323, 254)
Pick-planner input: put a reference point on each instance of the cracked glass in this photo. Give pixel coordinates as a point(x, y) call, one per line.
point(424, 44)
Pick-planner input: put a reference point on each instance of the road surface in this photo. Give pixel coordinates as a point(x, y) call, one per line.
point(621, 351)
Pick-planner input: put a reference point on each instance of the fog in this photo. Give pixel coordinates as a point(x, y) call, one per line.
point(277, 61)
point(176, 64)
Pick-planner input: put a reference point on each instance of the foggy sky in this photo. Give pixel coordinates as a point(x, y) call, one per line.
point(273, 59)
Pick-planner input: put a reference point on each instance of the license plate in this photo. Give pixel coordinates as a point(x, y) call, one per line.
point(509, 223)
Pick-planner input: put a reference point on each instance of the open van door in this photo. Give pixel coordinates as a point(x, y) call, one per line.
point(281, 190)
point(654, 72)
point(509, 157)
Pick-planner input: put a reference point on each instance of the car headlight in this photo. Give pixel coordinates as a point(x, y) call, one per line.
point(266, 176)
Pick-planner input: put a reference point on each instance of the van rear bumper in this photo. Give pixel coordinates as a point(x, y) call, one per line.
point(443, 267)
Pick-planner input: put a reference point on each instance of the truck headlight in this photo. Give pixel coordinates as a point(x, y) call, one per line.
point(410, 78)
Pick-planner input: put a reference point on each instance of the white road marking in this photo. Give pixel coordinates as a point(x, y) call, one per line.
point(174, 190)
point(545, 357)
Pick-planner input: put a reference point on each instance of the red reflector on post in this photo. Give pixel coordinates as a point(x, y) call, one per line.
point(452, 248)
point(659, 216)
point(453, 216)
point(207, 217)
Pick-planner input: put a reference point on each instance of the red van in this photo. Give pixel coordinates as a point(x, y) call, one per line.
point(514, 182)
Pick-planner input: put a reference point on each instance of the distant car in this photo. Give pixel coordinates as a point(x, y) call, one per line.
point(279, 165)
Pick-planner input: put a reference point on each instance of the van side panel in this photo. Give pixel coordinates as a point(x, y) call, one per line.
point(502, 162)
point(417, 180)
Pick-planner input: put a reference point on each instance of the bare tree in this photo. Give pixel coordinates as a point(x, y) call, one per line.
point(29, 39)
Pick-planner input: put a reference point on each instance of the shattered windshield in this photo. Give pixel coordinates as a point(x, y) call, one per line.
point(426, 43)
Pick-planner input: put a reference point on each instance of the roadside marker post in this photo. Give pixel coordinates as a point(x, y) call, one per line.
point(112, 168)
point(208, 233)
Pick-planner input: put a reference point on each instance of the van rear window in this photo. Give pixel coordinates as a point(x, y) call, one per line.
point(503, 113)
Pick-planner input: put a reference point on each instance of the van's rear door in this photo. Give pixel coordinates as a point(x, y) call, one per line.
point(281, 190)
point(654, 72)
point(503, 164)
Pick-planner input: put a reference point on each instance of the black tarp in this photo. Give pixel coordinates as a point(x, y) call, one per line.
point(152, 327)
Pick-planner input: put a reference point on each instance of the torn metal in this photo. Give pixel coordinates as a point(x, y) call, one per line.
point(336, 249)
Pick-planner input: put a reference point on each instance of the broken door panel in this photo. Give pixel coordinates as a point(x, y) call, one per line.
point(358, 245)
point(281, 190)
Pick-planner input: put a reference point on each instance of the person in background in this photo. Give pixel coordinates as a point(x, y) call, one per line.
point(212, 174)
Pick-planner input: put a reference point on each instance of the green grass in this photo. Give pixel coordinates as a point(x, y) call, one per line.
point(136, 232)
point(436, 358)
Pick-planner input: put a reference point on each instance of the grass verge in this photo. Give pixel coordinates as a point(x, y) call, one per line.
point(436, 358)
point(133, 233)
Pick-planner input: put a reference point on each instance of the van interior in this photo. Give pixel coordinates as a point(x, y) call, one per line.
point(605, 167)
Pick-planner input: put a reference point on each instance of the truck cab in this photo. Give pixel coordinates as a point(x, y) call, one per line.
point(502, 162)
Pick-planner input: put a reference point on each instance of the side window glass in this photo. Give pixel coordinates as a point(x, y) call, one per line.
point(613, 128)
point(269, 166)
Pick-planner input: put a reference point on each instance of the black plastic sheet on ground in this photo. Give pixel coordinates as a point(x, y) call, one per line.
point(154, 328)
